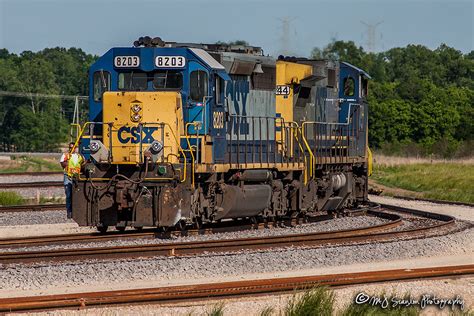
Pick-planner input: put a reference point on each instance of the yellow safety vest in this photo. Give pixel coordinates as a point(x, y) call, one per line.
point(74, 164)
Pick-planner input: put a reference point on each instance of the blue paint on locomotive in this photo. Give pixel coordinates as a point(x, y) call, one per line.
point(224, 112)
point(350, 87)
point(105, 72)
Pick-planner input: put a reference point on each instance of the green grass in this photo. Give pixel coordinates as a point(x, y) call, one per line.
point(11, 198)
point(320, 301)
point(267, 311)
point(30, 164)
point(317, 301)
point(51, 200)
point(442, 181)
point(216, 310)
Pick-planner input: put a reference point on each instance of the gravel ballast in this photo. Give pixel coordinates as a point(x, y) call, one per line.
point(42, 279)
point(33, 218)
point(250, 306)
point(44, 276)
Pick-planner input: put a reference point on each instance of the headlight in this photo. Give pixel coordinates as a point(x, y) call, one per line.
point(94, 147)
point(156, 147)
point(136, 117)
point(136, 108)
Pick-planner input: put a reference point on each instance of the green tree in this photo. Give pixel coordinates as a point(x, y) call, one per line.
point(417, 95)
point(30, 121)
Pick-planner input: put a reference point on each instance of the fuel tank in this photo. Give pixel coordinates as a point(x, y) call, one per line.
point(246, 201)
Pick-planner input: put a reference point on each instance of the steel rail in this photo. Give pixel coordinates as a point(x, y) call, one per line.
point(231, 226)
point(32, 208)
point(223, 290)
point(224, 246)
point(32, 173)
point(38, 185)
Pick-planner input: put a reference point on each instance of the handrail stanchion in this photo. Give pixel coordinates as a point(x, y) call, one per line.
point(253, 140)
point(238, 141)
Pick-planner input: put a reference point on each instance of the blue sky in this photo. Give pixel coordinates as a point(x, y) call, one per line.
point(95, 26)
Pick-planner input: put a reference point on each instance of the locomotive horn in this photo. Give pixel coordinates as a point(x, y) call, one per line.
point(147, 41)
point(157, 41)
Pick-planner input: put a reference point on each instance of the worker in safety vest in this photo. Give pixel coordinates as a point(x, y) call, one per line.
point(71, 162)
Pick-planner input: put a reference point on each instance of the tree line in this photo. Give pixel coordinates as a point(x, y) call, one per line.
point(29, 119)
point(421, 101)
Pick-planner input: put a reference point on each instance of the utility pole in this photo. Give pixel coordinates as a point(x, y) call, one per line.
point(371, 32)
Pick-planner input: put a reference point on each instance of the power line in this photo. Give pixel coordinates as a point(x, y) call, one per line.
point(42, 95)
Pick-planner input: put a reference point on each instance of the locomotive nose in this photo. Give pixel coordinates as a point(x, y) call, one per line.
point(137, 122)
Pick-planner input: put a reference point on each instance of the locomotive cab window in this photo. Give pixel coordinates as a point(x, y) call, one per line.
point(349, 86)
point(198, 85)
point(220, 83)
point(101, 84)
point(167, 79)
point(365, 87)
point(331, 78)
point(161, 80)
point(133, 81)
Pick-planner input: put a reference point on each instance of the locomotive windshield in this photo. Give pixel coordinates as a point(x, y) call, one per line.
point(160, 80)
point(167, 79)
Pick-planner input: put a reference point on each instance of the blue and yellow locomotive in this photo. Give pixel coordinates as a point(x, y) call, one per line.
point(186, 134)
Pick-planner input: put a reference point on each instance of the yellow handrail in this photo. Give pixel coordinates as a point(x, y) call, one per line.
point(186, 135)
point(370, 161)
point(295, 126)
point(312, 159)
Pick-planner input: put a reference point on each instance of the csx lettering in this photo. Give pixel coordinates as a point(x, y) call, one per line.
point(128, 134)
point(218, 120)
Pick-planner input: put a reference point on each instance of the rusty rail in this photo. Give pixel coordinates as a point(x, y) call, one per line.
point(223, 289)
point(153, 233)
point(362, 235)
point(32, 208)
point(37, 185)
point(32, 173)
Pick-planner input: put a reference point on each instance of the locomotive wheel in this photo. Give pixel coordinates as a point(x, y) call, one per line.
point(254, 220)
point(181, 225)
point(120, 228)
point(102, 229)
point(197, 222)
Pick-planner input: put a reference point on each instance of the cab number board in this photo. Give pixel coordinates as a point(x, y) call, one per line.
point(170, 61)
point(283, 90)
point(126, 61)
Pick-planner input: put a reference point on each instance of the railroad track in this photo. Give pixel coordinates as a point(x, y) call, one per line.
point(395, 221)
point(32, 173)
point(37, 185)
point(153, 233)
point(34, 208)
point(370, 234)
point(223, 289)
